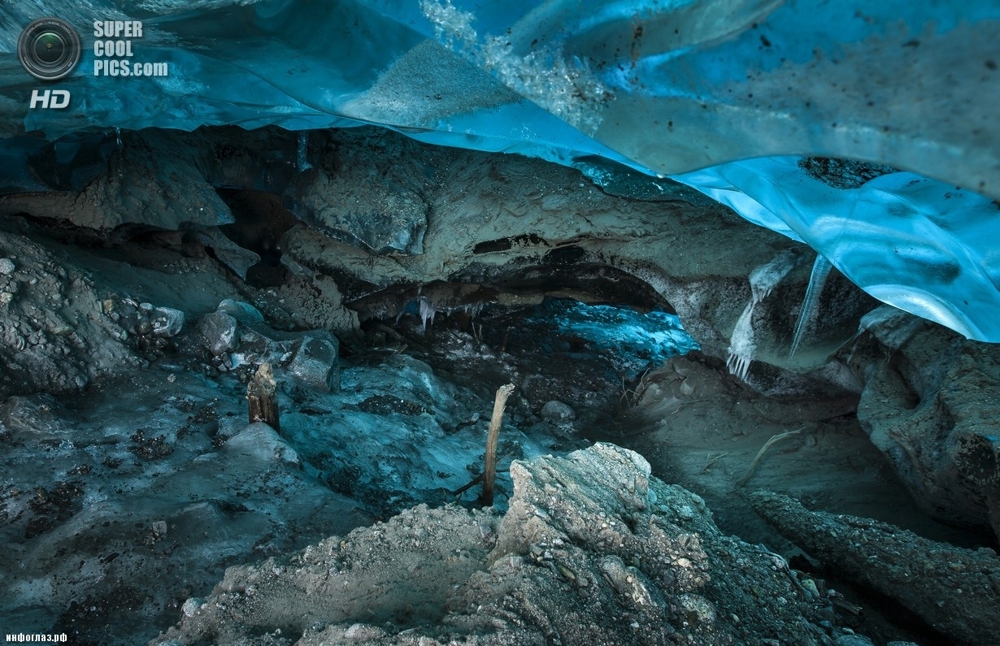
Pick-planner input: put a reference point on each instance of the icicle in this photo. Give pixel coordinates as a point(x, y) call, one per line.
point(741, 344)
point(820, 272)
point(427, 312)
point(473, 309)
point(301, 160)
point(118, 137)
point(763, 280)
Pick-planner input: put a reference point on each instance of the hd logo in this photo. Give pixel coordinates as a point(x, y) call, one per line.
point(53, 99)
point(49, 49)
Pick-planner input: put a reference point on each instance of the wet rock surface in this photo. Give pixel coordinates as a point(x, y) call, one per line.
point(591, 551)
point(955, 591)
point(930, 405)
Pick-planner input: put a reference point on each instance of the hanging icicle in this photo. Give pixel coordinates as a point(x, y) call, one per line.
point(807, 313)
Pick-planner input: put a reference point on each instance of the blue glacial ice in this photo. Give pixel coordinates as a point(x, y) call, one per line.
point(632, 339)
point(744, 100)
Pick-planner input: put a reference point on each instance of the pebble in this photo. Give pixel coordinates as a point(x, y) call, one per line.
point(6, 266)
point(557, 411)
point(191, 606)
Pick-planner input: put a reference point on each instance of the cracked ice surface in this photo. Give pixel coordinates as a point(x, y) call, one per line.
point(723, 95)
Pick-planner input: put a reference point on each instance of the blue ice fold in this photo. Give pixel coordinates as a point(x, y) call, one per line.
point(737, 98)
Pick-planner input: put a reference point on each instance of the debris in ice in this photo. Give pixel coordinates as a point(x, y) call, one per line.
point(567, 88)
point(763, 279)
point(301, 159)
point(452, 26)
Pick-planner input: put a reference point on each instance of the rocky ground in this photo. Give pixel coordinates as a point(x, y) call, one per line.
point(591, 551)
point(136, 494)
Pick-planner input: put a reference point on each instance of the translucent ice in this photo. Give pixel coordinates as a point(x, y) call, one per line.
point(820, 272)
point(753, 102)
point(763, 279)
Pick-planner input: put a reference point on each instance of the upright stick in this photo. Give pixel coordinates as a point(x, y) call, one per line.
point(262, 397)
point(490, 470)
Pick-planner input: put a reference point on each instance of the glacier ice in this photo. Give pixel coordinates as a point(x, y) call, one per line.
point(747, 101)
point(807, 313)
point(427, 312)
point(763, 279)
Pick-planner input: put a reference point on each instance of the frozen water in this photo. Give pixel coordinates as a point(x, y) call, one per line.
point(748, 109)
point(810, 306)
point(427, 312)
point(763, 279)
point(632, 339)
point(302, 153)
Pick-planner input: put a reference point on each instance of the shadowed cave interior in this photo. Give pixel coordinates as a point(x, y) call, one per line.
point(126, 432)
point(734, 271)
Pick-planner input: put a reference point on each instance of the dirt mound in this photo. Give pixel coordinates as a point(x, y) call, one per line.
point(591, 551)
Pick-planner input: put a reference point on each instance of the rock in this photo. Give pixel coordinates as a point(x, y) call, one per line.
point(315, 362)
point(852, 640)
point(33, 418)
point(167, 322)
point(930, 405)
point(261, 442)
point(556, 411)
point(593, 550)
point(55, 336)
point(380, 217)
point(6, 266)
point(153, 179)
point(956, 591)
point(219, 330)
point(230, 254)
point(242, 311)
point(191, 606)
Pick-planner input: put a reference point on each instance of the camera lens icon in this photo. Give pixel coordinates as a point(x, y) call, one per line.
point(49, 48)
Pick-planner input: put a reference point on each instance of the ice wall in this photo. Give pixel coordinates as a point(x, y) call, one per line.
point(745, 100)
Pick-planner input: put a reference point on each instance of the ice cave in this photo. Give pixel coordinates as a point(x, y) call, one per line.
point(576, 322)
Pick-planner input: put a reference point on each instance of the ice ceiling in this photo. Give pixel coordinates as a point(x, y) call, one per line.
point(745, 100)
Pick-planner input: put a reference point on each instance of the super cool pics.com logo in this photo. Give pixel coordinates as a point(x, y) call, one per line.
point(50, 49)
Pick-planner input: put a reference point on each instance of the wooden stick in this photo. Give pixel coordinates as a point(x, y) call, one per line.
point(763, 450)
point(262, 397)
point(490, 470)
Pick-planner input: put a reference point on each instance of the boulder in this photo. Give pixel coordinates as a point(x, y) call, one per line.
point(261, 442)
point(167, 321)
point(219, 330)
point(315, 362)
point(930, 405)
point(557, 411)
point(956, 591)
